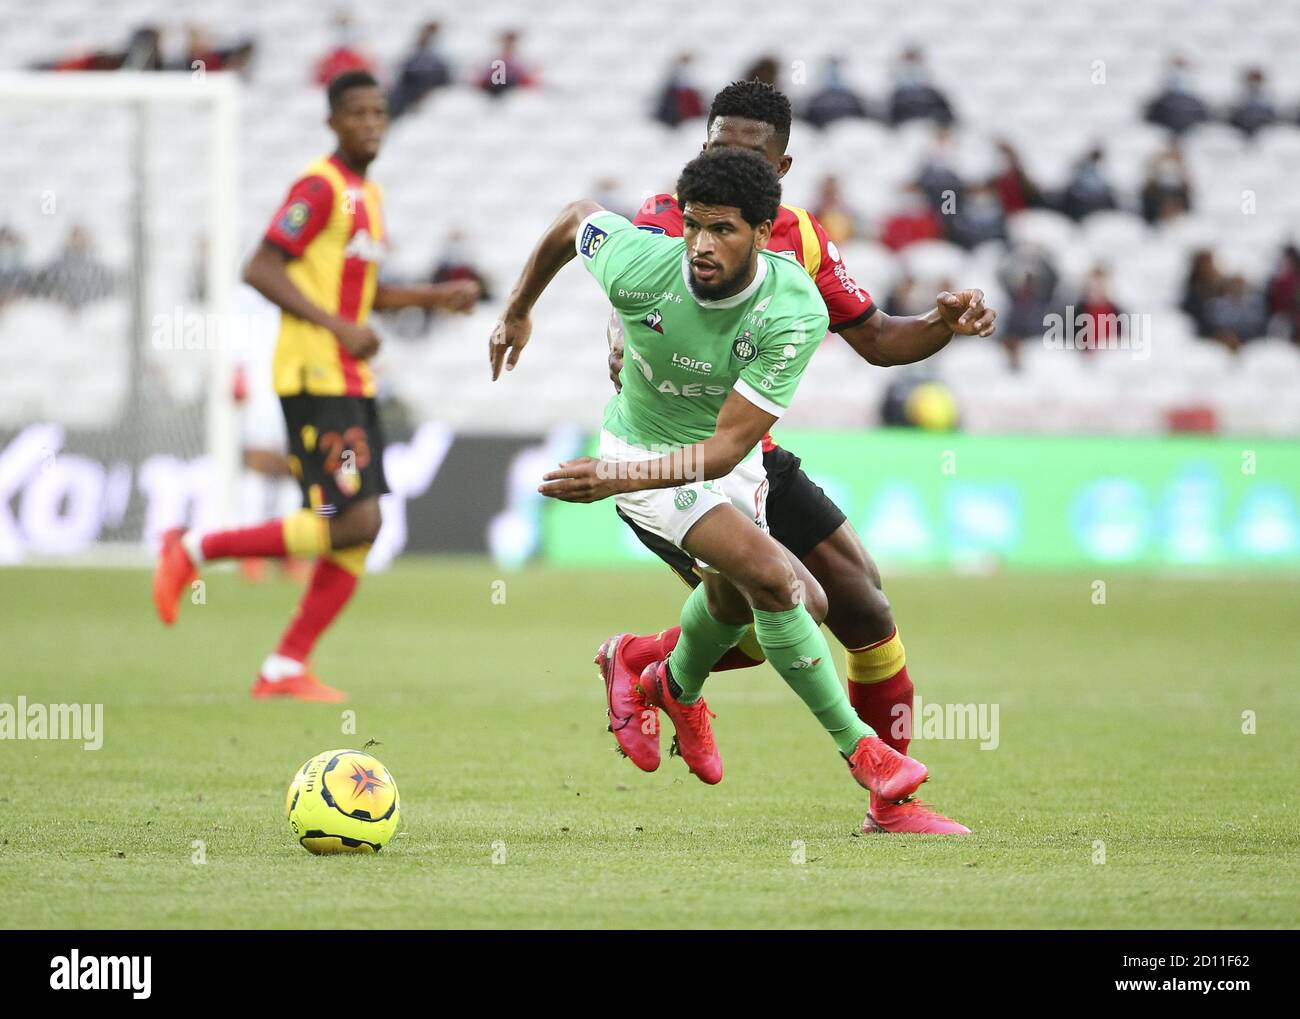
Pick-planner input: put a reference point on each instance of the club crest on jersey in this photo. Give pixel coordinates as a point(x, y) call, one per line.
point(592, 238)
point(743, 348)
point(655, 320)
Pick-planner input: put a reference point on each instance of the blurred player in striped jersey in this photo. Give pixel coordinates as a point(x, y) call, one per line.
point(318, 262)
point(756, 116)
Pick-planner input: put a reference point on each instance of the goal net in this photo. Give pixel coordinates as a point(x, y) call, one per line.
point(117, 258)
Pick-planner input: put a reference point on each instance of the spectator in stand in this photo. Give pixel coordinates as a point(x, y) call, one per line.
point(15, 278)
point(200, 52)
point(837, 218)
point(1254, 109)
point(1204, 284)
point(506, 71)
point(979, 218)
point(143, 53)
point(1238, 314)
point(1088, 190)
point(455, 265)
point(835, 100)
point(679, 99)
point(915, 219)
point(1030, 279)
point(1016, 191)
point(76, 276)
point(1167, 192)
point(424, 69)
point(764, 69)
point(937, 178)
point(1099, 310)
point(1177, 106)
point(915, 96)
point(346, 54)
point(1284, 294)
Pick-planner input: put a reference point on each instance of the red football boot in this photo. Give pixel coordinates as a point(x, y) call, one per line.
point(304, 687)
point(909, 816)
point(694, 734)
point(172, 575)
point(634, 723)
point(882, 769)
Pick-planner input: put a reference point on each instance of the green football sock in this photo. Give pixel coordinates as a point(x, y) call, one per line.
point(794, 644)
point(703, 641)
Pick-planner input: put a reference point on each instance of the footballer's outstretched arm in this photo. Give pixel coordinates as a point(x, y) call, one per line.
point(549, 256)
point(741, 425)
point(893, 339)
point(458, 295)
point(267, 273)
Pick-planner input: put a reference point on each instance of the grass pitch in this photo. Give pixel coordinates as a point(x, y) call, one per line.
point(1120, 740)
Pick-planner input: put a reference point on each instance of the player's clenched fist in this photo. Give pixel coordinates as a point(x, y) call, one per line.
point(582, 480)
point(965, 313)
point(509, 337)
point(361, 341)
point(456, 295)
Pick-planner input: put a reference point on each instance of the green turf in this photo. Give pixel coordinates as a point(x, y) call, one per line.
point(1118, 722)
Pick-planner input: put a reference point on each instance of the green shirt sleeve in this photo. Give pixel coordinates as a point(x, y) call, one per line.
point(783, 351)
point(609, 246)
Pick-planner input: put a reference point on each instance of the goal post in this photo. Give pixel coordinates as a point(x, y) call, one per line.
point(117, 274)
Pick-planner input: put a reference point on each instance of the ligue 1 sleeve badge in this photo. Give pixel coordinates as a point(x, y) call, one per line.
point(743, 348)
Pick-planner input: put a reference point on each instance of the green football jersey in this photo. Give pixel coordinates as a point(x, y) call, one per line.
point(683, 354)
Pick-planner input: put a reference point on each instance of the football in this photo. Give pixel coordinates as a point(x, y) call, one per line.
point(342, 801)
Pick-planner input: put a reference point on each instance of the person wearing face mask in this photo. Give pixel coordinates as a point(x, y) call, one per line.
point(1255, 108)
point(914, 96)
point(1016, 190)
point(912, 219)
point(979, 218)
point(1089, 190)
point(1167, 193)
point(835, 100)
point(1177, 106)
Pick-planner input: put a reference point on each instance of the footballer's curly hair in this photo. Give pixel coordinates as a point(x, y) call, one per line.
point(735, 177)
point(343, 83)
point(754, 100)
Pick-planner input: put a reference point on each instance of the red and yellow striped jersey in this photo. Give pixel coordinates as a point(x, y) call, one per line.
point(331, 226)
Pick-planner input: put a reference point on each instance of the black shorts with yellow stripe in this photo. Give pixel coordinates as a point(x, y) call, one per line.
point(336, 450)
point(799, 515)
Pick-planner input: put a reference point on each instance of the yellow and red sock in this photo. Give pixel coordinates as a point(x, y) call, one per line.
point(332, 584)
point(879, 689)
point(304, 533)
point(745, 655)
point(640, 651)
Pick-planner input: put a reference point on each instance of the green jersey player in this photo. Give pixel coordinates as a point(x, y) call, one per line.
point(718, 332)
